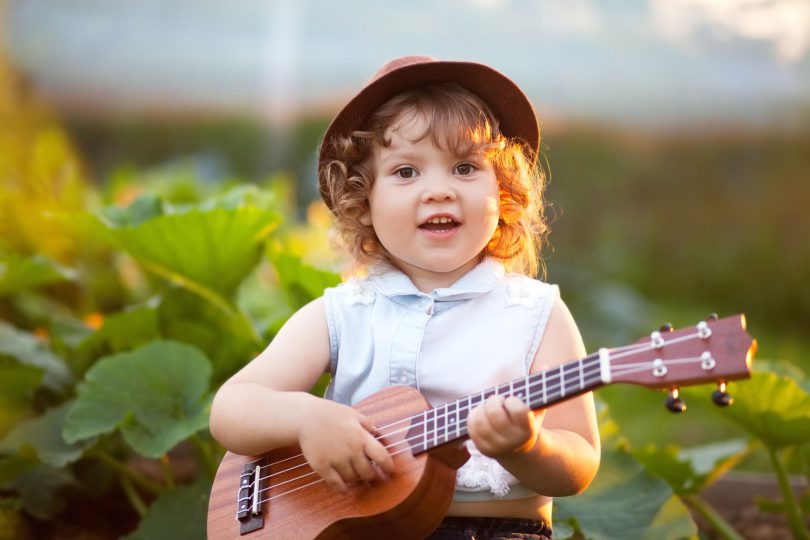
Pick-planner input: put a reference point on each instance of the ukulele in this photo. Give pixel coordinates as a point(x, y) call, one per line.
point(278, 496)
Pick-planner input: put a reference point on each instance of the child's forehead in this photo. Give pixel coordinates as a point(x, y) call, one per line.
point(413, 126)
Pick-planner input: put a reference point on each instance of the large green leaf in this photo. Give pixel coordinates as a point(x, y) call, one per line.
point(30, 351)
point(176, 515)
point(627, 502)
point(689, 471)
point(156, 395)
point(300, 281)
point(227, 338)
point(44, 435)
point(18, 273)
point(642, 417)
point(772, 408)
point(207, 251)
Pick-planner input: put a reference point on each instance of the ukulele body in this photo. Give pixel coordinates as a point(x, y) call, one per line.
point(297, 505)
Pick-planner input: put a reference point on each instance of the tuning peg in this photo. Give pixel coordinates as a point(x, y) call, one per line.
point(666, 327)
point(712, 317)
point(720, 397)
point(674, 403)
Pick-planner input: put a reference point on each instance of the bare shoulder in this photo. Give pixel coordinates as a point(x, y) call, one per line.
point(561, 341)
point(298, 354)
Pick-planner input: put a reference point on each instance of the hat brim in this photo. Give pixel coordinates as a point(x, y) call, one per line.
point(514, 111)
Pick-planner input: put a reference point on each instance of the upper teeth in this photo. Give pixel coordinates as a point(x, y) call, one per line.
point(440, 220)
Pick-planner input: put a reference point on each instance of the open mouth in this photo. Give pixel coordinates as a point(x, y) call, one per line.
point(440, 224)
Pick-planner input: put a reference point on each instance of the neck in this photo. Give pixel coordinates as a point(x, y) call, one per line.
point(448, 422)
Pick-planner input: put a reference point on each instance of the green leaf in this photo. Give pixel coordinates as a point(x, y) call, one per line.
point(29, 351)
point(300, 281)
point(44, 435)
point(41, 490)
point(688, 471)
point(209, 252)
point(772, 408)
point(226, 338)
point(156, 395)
point(178, 514)
point(144, 208)
point(642, 417)
point(17, 385)
point(625, 501)
point(18, 273)
point(13, 466)
point(119, 332)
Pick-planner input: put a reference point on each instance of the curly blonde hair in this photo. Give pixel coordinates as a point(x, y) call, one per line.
point(461, 123)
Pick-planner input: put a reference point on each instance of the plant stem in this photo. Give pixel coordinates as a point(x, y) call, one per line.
point(133, 497)
point(715, 520)
point(165, 466)
point(205, 453)
point(794, 514)
point(149, 485)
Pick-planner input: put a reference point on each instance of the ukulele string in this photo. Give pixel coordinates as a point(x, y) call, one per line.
point(408, 448)
point(548, 393)
point(626, 351)
point(411, 424)
point(615, 352)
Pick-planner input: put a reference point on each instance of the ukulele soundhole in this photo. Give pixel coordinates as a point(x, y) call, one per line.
point(249, 498)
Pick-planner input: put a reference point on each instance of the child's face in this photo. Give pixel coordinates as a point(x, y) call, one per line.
point(432, 210)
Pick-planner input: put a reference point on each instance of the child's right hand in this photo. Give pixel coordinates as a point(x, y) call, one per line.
point(339, 444)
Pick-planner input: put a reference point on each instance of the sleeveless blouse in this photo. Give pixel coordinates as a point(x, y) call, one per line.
point(452, 342)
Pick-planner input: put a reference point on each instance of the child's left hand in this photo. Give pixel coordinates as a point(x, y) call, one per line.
point(503, 426)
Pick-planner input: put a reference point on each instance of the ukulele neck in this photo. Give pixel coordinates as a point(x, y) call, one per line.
point(448, 422)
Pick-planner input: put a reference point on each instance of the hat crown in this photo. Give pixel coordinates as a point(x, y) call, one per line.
point(401, 62)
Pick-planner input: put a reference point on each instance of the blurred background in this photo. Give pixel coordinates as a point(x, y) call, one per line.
point(676, 133)
point(676, 136)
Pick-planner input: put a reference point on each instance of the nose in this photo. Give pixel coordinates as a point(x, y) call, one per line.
point(438, 189)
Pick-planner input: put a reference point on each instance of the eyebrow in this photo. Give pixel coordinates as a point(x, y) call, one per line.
point(396, 156)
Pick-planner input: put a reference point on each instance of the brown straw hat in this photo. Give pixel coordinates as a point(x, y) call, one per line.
point(507, 101)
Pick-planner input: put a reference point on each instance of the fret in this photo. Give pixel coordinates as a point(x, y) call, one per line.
point(452, 419)
point(545, 395)
point(527, 392)
point(581, 375)
point(424, 429)
point(440, 420)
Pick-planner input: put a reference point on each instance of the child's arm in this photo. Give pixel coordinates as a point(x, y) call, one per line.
point(266, 405)
point(554, 452)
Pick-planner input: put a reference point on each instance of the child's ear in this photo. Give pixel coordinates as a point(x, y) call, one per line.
point(365, 219)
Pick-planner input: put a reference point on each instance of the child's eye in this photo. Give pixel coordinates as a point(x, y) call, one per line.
point(465, 169)
point(405, 172)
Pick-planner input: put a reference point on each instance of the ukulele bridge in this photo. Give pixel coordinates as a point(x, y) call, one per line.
point(249, 498)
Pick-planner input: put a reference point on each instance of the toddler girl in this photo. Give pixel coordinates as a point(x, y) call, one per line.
point(430, 173)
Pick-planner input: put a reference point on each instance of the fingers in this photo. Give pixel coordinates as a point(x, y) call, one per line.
point(363, 459)
point(374, 449)
point(502, 425)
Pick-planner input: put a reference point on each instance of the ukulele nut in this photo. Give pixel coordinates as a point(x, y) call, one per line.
point(707, 362)
point(659, 369)
point(657, 340)
point(704, 332)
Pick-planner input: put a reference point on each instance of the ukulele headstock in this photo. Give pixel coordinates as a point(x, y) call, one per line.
point(715, 350)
